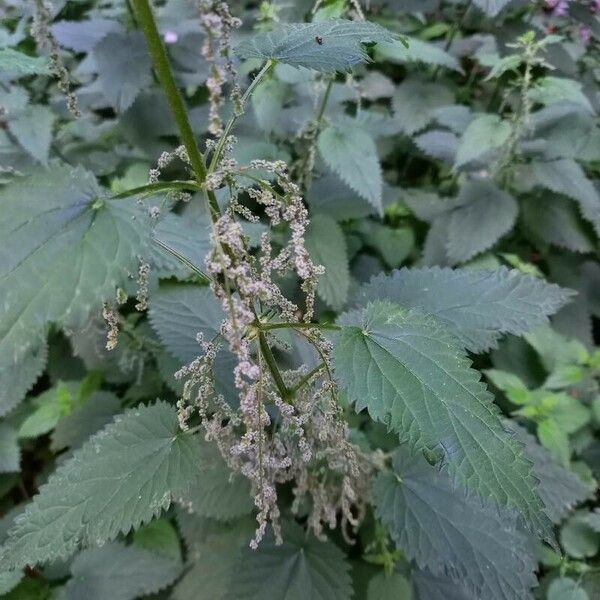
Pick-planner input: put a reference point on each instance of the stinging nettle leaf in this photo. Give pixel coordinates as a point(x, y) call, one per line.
point(178, 313)
point(555, 221)
point(450, 534)
point(123, 65)
point(124, 476)
point(491, 7)
point(414, 50)
point(484, 134)
point(17, 380)
point(351, 153)
point(32, 128)
point(326, 245)
point(10, 454)
point(301, 567)
point(64, 251)
point(477, 306)
point(119, 572)
point(415, 101)
point(566, 177)
point(326, 46)
point(486, 212)
point(560, 489)
point(410, 373)
point(15, 64)
point(218, 493)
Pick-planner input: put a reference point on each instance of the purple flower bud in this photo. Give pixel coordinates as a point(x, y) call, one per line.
point(170, 37)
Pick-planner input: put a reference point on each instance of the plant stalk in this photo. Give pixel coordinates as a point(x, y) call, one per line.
point(158, 53)
point(267, 354)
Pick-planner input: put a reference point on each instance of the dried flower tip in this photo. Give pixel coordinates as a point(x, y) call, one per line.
point(111, 318)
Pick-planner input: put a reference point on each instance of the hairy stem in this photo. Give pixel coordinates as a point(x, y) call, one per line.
point(152, 188)
point(267, 354)
point(291, 325)
point(232, 121)
point(158, 53)
point(308, 377)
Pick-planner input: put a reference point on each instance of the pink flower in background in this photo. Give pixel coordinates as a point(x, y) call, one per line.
point(558, 8)
point(585, 34)
point(170, 37)
point(595, 6)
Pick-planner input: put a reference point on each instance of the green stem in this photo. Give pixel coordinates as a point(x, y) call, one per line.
point(265, 350)
point(162, 67)
point(270, 326)
point(232, 121)
point(456, 26)
point(323, 106)
point(152, 188)
point(183, 260)
point(307, 378)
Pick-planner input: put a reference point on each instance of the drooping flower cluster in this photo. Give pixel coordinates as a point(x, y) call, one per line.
point(288, 426)
point(218, 24)
point(41, 32)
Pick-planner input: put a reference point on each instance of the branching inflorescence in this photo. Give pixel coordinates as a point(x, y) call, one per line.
point(288, 425)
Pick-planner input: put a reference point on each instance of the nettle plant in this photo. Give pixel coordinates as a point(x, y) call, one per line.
point(320, 432)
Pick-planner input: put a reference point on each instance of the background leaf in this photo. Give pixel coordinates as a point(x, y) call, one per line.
point(350, 152)
point(410, 373)
point(295, 44)
point(477, 306)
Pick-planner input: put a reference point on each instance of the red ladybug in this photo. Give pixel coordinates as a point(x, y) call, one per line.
point(319, 40)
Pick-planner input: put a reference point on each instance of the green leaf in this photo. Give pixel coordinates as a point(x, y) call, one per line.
point(51, 405)
point(302, 567)
point(32, 128)
point(121, 478)
point(30, 589)
point(393, 243)
point(559, 488)
point(566, 177)
point(74, 429)
point(554, 220)
point(119, 572)
point(414, 103)
point(414, 50)
point(187, 235)
point(16, 64)
point(123, 65)
point(213, 551)
point(9, 581)
point(486, 212)
point(392, 587)
point(351, 153)
point(178, 313)
point(296, 44)
point(565, 588)
point(326, 245)
point(218, 493)
point(452, 534)
point(578, 538)
point(10, 454)
point(159, 537)
point(476, 305)
point(484, 134)
point(411, 374)
point(267, 102)
point(17, 380)
point(63, 253)
point(553, 437)
point(429, 587)
point(491, 7)
point(439, 144)
point(550, 90)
